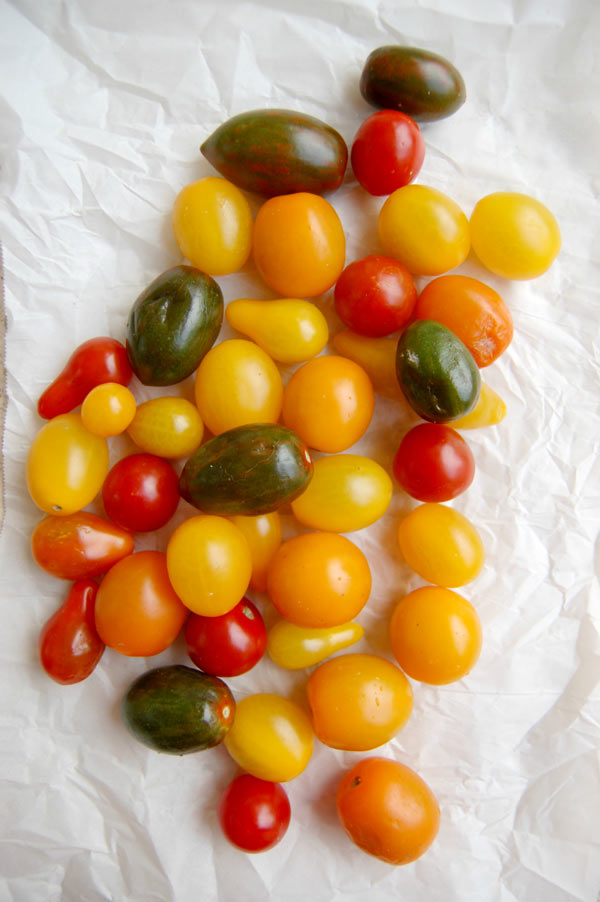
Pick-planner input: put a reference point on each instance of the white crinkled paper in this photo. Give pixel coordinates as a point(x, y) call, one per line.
point(103, 106)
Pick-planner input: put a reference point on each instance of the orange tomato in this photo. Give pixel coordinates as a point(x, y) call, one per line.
point(441, 545)
point(387, 810)
point(263, 535)
point(108, 409)
point(329, 402)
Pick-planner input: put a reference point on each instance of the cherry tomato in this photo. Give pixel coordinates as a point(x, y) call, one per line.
point(375, 296)
point(377, 356)
point(108, 409)
point(167, 427)
point(137, 611)
point(141, 492)
point(254, 814)
point(441, 545)
point(387, 152)
point(263, 535)
point(79, 546)
point(387, 810)
point(229, 644)
point(289, 330)
point(69, 644)
point(434, 463)
point(489, 410)
point(435, 635)
point(297, 647)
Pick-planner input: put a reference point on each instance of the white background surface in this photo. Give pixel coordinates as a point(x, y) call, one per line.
point(103, 106)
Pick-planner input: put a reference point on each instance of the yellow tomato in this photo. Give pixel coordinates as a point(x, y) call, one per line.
point(209, 564)
point(237, 383)
point(424, 229)
point(358, 702)
point(212, 222)
point(297, 647)
point(514, 235)
point(167, 427)
point(271, 737)
point(263, 535)
point(329, 402)
point(299, 245)
point(66, 465)
point(288, 329)
point(108, 409)
point(489, 410)
point(347, 492)
point(441, 545)
point(377, 356)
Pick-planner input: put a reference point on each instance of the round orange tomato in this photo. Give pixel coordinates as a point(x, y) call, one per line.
point(319, 579)
point(387, 810)
point(299, 245)
point(108, 409)
point(441, 545)
point(329, 402)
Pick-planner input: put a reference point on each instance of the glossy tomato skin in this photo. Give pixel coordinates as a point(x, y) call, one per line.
point(108, 409)
point(79, 546)
point(141, 492)
point(441, 545)
point(229, 644)
point(387, 152)
point(434, 463)
point(375, 296)
point(254, 814)
point(69, 644)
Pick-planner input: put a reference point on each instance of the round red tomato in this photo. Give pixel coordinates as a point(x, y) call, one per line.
point(434, 463)
point(141, 492)
point(254, 814)
point(387, 152)
point(229, 644)
point(375, 296)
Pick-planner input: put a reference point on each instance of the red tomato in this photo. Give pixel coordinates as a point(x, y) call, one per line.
point(434, 463)
point(387, 152)
point(79, 546)
point(69, 644)
point(141, 492)
point(229, 644)
point(375, 296)
point(254, 814)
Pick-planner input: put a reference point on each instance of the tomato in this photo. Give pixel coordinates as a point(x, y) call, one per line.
point(92, 363)
point(424, 229)
point(137, 612)
point(66, 465)
point(375, 296)
point(79, 546)
point(435, 635)
point(141, 492)
point(470, 309)
point(289, 330)
point(387, 152)
point(229, 644)
point(263, 535)
point(441, 545)
point(377, 356)
point(299, 245)
point(297, 647)
point(108, 409)
point(319, 579)
point(347, 492)
point(387, 810)
point(271, 737)
point(434, 463)
point(167, 427)
point(329, 402)
point(237, 383)
point(209, 564)
point(69, 644)
point(254, 814)
point(514, 235)
point(489, 410)
point(212, 223)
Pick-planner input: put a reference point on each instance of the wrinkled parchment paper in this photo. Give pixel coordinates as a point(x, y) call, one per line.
point(103, 108)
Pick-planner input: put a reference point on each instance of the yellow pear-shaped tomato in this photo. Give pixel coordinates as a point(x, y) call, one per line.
point(377, 356)
point(290, 330)
point(167, 427)
point(489, 410)
point(297, 647)
point(263, 534)
point(66, 465)
point(441, 545)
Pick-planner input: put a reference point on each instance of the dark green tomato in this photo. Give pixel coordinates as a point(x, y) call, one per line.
point(172, 325)
point(275, 152)
point(436, 371)
point(421, 84)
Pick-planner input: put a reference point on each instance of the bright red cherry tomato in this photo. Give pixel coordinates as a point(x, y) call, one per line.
point(141, 492)
point(434, 463)
point(375, 296)
point(69, 644)
point(229, 644)
point(387, 152)
point(254, 814)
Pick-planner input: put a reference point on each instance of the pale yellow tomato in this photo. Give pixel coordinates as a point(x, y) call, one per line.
point(108, 409)
point(290, 330)
point(441, 545)
point(297, 647)
point(263, 534)
point(167, 427)
point(489, 410)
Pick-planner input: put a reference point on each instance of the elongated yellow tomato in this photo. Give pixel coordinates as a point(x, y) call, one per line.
point(377, 356)
point(347, 492)
point(441, 545)
point(108, 409)
point(271, 737)
point(167, 427)
point(489, 410)
point(66, 465)
point(212, 222)
point(237, 383)
point(263, 535)
point(290, 330)
point(209, 564)
point(296, 647)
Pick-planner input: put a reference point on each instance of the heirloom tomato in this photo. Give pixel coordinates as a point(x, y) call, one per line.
point(108, 409)
point(141, 492)
point(229, 644)
point(387, 152)
point(263, 535)
point(441, 545)
point(297, 647)
point(489, 410)
point(79, 546)
point(375, 296)
point(289, 330)
point(167, 427)
point(69, 644)
point(434, 463)
point(254, 814)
